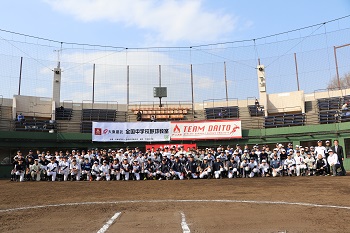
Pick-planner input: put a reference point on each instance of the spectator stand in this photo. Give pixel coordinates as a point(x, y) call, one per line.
point(221, 108)
point(105, 111)
point(254, 107)
point(65, 111)
point(34, 121)
point(150, 111)
point(285, 118)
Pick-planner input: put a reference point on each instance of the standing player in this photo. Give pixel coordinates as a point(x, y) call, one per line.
point(300, 166)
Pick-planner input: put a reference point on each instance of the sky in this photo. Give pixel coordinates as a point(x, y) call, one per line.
point(139, 23)
point(155, 23)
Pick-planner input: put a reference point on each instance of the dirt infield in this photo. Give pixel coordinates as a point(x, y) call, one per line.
point(227, 205)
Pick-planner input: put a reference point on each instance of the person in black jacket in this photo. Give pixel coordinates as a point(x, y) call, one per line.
point(321, 166)
point(20, 169)
point(218, 167)
point(340, 152)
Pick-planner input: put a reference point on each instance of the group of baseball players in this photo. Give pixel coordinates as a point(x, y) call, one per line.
point(177, 163)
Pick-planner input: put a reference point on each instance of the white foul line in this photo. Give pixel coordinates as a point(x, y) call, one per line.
point(109, 223)
point(184, 225)
point(176, 201)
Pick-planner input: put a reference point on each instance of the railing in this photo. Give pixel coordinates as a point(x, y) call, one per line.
point(234, 102)
point(105, 103)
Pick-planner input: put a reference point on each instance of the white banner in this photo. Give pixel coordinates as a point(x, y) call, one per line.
point(130, 131)
point(217, 129)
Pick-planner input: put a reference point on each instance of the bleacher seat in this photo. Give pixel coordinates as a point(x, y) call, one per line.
point(161, 113)
point(35, 124)
point(63, 113)
point(86, 127)
point(222, 112)
point(285, 120)
point(98, 115)
point(255, 111)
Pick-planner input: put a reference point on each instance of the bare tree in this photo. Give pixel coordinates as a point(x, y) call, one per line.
point(344, 82)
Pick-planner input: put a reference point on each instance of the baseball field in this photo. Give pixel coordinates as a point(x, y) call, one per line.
point(281, 204)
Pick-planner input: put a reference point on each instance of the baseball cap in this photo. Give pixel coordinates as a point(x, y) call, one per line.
point(327, 141)
point(264, 161)
point(95, 162)
point(330, 150)
point(319, 141)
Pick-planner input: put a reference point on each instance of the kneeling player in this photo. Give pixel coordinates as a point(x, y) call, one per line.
point(264, 168)
point(232, 168)
point(163, 171)
point(253, 168)
point(104, 171)
point(52, 169)
point(205, 169)
point(95, 171)
point(289, 165)
point(75, 170)
point(136, 169)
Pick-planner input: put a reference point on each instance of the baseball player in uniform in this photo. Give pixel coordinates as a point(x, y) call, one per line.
point(63, 169)
point(232, 168)
point(95, 171)
point(177, 169)
point(205, 169)
point(75, 170)
point(333, 162)
point(20, 170)
point(191, 168)
point(253, 168)
point(136, 169)
point(300, 166)
point(276, 165)
point(244, 168)
point(35, 170)
point(150, 170)
point(163, 170)
point(104, 171)
point(52, 169)
point(310, 164)
point(86, 169)
point(43, 163)
point(115, 169)
point(289, 165)
point(264, 168)
point(125, 169)
point(218, 168)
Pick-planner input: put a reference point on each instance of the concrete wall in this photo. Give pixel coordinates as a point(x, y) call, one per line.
point(32, 106)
